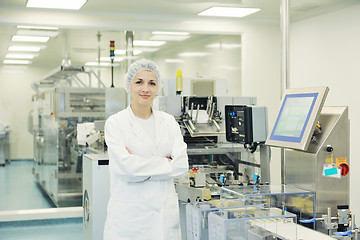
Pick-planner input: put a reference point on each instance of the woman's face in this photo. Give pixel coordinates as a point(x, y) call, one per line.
point(144, 88)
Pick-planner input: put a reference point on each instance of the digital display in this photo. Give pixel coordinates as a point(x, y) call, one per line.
point(293, 117)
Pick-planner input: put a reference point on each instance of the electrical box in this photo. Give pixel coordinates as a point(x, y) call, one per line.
point(245, 124)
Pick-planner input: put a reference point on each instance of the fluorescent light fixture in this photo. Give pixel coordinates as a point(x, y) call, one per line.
point(224, 45)
point(148, 43)
point(43, 33)
point(37, 27)
point(193, 54)
point(169, 37)
point(228, 12)
point(170, 33)
point(10, 61)
point(102, 64)
point(20, 56)
point(24, 48)
point(18, 38)
point(120, 52)
point(230, 68)
point(146, 49)
point(168, 60)
point(123, 52)
point(57, 4)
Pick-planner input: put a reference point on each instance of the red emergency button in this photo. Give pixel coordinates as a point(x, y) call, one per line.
point(344, 169)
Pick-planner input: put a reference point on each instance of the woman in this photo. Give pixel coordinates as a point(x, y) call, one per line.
point(146, 152)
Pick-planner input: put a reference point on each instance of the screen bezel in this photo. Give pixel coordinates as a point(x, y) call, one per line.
point(302, 142)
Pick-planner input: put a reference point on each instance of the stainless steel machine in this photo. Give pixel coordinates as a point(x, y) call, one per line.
point(60, 109)
point(213, 160)
point(316, 147)
point(57, 154)
point(96, 193)
point(309, 169)
point(4, 144)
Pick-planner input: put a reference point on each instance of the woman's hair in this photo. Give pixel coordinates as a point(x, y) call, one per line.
point(140, 65)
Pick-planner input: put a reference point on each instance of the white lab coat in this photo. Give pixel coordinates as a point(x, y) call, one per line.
point(139, 208)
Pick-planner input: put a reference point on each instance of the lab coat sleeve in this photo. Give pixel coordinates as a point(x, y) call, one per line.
point(130, 167)
point(179, 164)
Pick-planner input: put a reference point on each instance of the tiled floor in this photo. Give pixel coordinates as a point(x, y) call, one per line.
point(18, 188)
point(19, 191)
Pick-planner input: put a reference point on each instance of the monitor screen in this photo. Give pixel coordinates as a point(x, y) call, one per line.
point(298, 114)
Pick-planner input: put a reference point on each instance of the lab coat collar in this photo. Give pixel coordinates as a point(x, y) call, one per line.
point(137, 129)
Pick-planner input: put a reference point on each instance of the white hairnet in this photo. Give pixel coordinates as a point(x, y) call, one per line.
point(140, 65)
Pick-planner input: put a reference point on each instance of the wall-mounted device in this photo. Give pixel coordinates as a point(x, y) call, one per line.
point(246, 124)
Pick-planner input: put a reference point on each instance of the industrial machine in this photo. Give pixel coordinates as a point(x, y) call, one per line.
point(214, 162)
point(315, 141)
point(96, 193)
point(316, 144)
point(250, 213)
point(60, 120)
point(57, 153)
point(316, 178)
point(4, 144)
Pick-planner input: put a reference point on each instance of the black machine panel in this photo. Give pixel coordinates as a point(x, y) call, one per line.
point(238, 124)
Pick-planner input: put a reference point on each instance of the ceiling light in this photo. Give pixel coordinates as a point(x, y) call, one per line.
point(171, 33)
point(28, 32)
point(142, 49)
point(123, 52)
point(9, 61)
point(169, 37)
point(228, 12)
point(24, 48)
point(20, 56)
point(120, 52)
point(38, 27)
point(148, 43)
point(224, 45)
point(230, 68)
point(168, 60)
point(29, 38)
point(193, 54)
point(58, 4)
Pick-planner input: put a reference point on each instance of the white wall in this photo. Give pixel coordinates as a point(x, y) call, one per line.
point(261, 77)
point(16, 103)
point(221, 64)
point(325, 51)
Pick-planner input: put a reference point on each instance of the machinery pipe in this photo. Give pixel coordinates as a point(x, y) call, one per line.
point(216, 125)
point(192, 125)
point(197, 113)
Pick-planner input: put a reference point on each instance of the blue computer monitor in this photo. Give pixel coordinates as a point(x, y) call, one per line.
point(297, 117)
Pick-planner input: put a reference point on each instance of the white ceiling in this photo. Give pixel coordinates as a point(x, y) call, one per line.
point(78, 29)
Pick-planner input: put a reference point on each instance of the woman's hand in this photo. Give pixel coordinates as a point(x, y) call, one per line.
point(128, 150)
